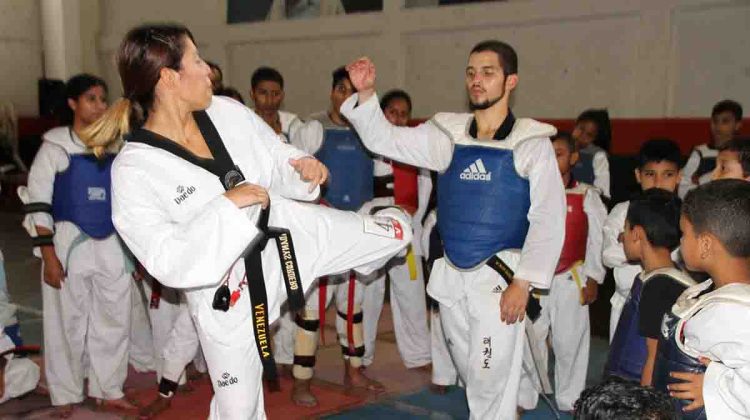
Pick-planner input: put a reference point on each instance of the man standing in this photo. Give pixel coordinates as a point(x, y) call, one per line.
point(501, 216)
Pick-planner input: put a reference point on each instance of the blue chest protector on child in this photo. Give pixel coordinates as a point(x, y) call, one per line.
point(627, 353)
point(82, 195)
point(483, 205)
point(350, 184)
point(670, 358)
point(583, 171)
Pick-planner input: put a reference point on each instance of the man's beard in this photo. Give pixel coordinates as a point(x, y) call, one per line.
point(486, 104)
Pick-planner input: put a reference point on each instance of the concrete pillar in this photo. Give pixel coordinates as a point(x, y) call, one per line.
point(61, 37)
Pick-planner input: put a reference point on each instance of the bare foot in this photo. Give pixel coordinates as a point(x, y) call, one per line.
point(63, 411)
point(438, 389)
point(356, 378)
point(284, 370)
point(193, 374)
point(120, 405)
point(301, 394)
point(159, 405)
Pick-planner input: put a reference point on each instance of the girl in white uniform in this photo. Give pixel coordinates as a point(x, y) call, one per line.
point(191, 221)
point(86, 286)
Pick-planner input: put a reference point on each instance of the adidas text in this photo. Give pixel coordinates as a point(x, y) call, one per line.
point(476, 176)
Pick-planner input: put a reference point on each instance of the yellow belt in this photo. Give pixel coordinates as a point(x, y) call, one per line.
point(411, 261)
point(577, 279)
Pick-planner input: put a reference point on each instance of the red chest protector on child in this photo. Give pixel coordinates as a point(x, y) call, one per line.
point(576, 228)
point(405, 187)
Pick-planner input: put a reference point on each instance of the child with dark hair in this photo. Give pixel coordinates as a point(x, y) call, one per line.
point(658, 167)
point(712, 318)
point(618, 399)
point(592, 134)
point(726, 121)
point(578, 274)
point(267, 93)
point(651, 233)
point(733, 161)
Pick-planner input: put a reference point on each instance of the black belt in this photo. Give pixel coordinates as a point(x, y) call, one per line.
point(533, 308)
point(381, 187)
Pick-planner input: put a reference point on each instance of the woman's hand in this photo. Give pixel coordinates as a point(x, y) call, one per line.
point(247, 194)
point(310, 170)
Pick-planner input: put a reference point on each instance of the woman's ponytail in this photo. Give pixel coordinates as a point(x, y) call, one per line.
point(106, 133)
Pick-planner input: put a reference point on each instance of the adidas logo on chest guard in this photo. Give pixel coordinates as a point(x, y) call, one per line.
point(476, 172)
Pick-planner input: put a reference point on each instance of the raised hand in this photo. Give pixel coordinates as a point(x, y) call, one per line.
point(362, 75)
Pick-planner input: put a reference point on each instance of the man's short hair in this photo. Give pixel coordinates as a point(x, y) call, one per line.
point(742, 147)
point(722, 208)
point(618, 399)
point(728, 105)
point(266, 74)
point(339, 75)
point(659, 150)
point(657, 211)
point(505, 54)
point(394, 94)
point(567, 138)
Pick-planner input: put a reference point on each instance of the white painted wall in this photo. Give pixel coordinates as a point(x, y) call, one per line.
point(20, 54)
point(639, 58)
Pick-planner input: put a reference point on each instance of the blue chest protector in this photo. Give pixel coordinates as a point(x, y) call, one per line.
point(670, 358)
point(484, 205)
point(583, 171)
point(350, 184)
point(82, 195)
point(627, 353)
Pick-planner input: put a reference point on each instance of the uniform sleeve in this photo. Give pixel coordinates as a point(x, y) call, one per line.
point(613, 254)
point(286, 181)
point(194, 253)
point(424, 146)
point(49, 160)
point(601, 173)
point(308, 137)
point(536, 159)
point(596, 214)
point(727, 379)
point(424, 189)
point(686, 183)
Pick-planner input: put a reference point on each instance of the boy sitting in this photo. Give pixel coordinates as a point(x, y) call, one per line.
point(733, 161)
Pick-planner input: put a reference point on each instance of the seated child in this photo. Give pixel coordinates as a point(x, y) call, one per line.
point(726, 121)
point(658, 167)
point(592, 134)
point(618, 399)
point(733, 161)
point(651, 233)
point(713, 317)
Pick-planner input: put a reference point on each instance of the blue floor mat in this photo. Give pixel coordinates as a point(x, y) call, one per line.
point(426, 405)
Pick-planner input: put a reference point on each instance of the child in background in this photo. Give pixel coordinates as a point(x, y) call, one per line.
point(733, 161)
point(575, 285)
point(713, 317)
point(592, 135)
point(651, 233)
point(658, 167)
point(726, 121)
